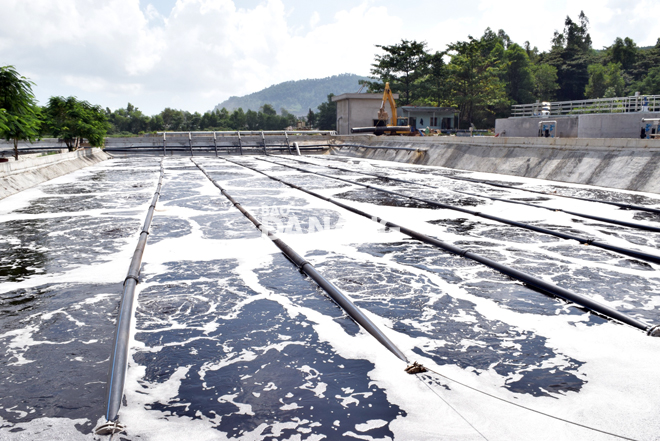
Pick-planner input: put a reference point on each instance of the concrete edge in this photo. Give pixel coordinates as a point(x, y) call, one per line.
point(551, 143)
point(39, 170)
point(632, 169)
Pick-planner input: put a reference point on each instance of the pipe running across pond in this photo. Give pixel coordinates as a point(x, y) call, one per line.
point(119, 357)
point(527, 279)
point(586, 241)
point(493, 198)
point(344, 302)
point(494, 184)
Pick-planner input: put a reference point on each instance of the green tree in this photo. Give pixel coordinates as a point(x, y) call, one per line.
point(311, 119)
point(20, 119)
point(237, 119)
point(326, 118)
point(545, 81)
point(518, 74)
point(646, 60)
point(571, 54)
point(474, 82)
point(605, 81)
point(435, 82)
point(623, 52)
point(74, 120)
point(402, 66)
point(128, 120)
point(251, 120)
point(532, 53)
point(172, 119)
point(3, 120)
point(650, 85)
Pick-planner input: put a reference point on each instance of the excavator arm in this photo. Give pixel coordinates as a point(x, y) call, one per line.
point(387, 124)
point(387, 96)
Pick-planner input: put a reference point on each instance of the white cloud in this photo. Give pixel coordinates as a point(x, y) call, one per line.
point(314, 20)
point(203, 51)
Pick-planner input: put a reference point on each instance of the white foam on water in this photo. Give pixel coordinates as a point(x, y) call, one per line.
point(620, 393)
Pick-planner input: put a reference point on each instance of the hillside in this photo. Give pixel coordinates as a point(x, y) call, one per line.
point(296, 97)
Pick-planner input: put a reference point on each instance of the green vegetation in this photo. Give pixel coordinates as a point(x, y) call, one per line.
point(326, 118)
point(131, 121)
point(483, 77)
point(73, 120)
point(295, 96)
point(19, 114)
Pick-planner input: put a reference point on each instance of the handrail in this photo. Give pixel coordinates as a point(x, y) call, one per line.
point(642, 103)
point(253, 132)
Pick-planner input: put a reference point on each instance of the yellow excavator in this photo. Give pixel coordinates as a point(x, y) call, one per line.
point(386, 125)
point(383, 117)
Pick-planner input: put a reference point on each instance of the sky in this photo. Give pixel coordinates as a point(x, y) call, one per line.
point(194, 54)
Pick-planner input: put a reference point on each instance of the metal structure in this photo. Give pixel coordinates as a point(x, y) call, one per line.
point(548, 129)
point(220, 142)
point(650, 128)
point(642, 103)
point(253, 132)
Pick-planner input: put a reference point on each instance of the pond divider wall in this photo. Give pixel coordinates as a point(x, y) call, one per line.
point(628, 164)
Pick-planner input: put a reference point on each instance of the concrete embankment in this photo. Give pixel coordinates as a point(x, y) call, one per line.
point(27, 172)
point(630, 164)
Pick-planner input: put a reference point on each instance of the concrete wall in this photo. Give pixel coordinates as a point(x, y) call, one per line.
point(567, 126)
point(631, 164)
point(16, 176)
point(610, 125)
point(357, 112)
point(601, 125)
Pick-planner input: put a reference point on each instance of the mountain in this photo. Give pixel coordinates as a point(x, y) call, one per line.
point(296, 97)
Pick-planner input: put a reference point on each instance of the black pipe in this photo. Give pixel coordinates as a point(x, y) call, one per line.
point(518, 275)
point(636, 254)
point(409, 149)
point(306, 267)
point(119, 357)
point(494, 184)
point(586, 216)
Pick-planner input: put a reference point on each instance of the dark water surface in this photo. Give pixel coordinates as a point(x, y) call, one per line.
point(231, 341)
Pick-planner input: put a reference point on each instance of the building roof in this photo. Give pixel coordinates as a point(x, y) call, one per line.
point(416, 109)
point(361, 96)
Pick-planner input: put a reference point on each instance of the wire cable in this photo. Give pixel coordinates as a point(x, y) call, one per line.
point(584, 426)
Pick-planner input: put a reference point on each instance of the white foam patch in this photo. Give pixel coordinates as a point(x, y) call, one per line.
point(620, 393)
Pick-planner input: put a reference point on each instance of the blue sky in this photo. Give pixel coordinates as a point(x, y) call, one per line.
point(193, 54)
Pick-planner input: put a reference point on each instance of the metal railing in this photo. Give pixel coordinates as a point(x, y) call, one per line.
point(643, 103)
point(252, 132)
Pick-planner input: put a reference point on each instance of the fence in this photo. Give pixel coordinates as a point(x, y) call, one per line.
point(646, 103)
